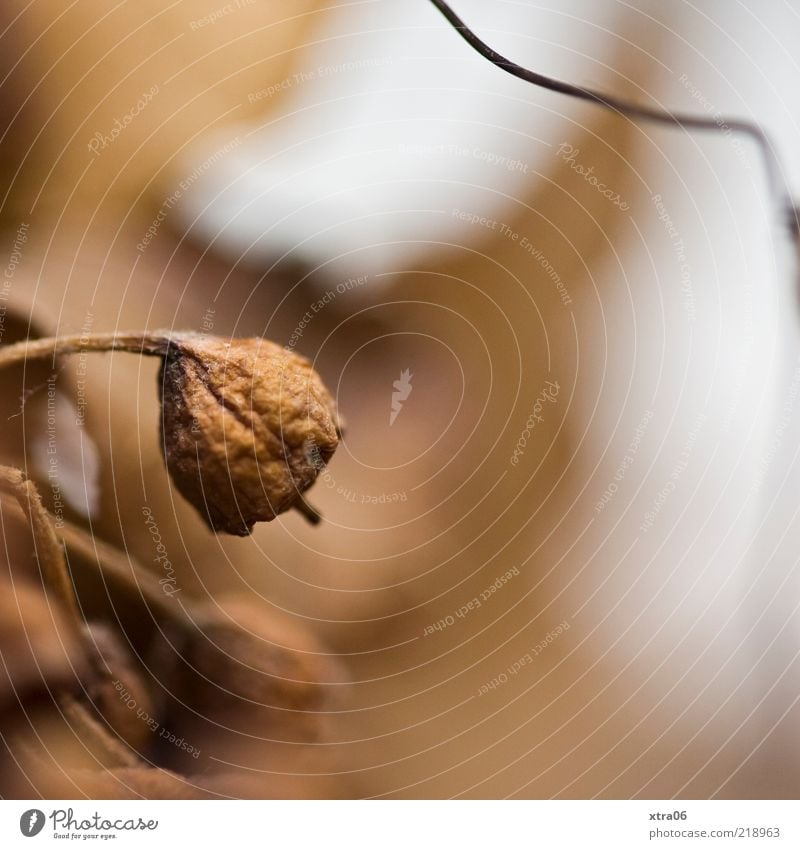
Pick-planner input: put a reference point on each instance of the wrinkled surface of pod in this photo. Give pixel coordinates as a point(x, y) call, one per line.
point(246, 427)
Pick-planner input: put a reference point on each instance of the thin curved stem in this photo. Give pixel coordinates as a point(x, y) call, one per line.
point(635, 111)
point(307, 511)
point(136, 342)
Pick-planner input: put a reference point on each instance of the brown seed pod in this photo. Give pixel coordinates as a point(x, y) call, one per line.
point(246, 425)
point(246, 428)
point(250, 668)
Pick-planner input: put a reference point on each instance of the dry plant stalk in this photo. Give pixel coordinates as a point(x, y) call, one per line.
point(237, 657)
point(246, 428)
point(57, 578)
point(246, 425)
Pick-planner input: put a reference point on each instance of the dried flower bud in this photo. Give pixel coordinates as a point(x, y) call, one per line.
point(246, 427)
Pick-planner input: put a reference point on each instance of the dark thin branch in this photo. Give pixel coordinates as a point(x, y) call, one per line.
point(633, 110)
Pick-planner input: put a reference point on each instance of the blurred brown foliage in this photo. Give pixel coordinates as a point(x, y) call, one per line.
point(251, 699)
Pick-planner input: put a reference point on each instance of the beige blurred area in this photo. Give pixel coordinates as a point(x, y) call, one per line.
point(676, 675)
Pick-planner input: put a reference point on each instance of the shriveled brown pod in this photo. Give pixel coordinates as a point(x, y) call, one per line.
point(246, 428)
point(246, 424)
point(250, 669)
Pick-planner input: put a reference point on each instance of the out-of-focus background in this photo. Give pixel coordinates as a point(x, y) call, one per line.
point(559, 549)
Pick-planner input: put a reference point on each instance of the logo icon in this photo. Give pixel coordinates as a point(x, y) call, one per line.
point(31, 822)
point(402, 389)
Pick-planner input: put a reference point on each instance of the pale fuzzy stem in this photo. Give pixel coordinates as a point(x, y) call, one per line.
point(136, 342)
point(49, 551)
